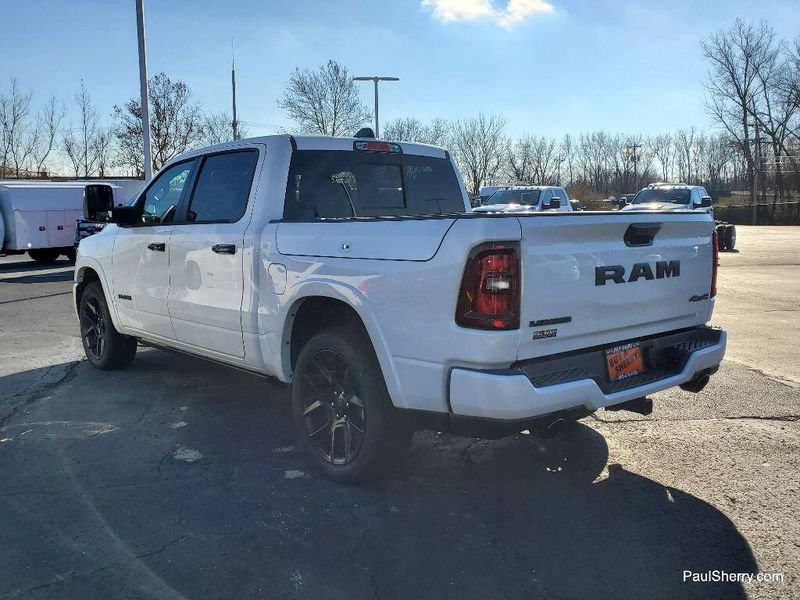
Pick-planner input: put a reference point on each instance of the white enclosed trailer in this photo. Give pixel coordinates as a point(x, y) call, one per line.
point(38, 217)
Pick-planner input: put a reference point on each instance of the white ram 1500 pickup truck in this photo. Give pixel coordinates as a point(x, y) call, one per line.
point(354, 270)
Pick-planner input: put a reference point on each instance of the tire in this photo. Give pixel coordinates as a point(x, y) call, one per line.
point(338, 394)
point(730, 237)
point(44, 255)
point(720, 229)
point(105, 348)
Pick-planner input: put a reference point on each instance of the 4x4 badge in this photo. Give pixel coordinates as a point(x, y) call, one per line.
point(545, 333)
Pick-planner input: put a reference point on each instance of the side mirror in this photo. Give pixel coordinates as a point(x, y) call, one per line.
point(125, 215)
point(98, 200)
point(554, 203)
point(705, 201)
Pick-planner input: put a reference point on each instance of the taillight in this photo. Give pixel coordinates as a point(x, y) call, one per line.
point(489, 295)
point(714, 264)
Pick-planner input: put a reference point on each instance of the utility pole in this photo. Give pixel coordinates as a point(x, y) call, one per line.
point(233, 88)
point(756, 165)
point(145, 96)
point(375, 79)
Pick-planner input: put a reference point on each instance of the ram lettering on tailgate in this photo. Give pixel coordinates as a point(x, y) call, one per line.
point(616, 273)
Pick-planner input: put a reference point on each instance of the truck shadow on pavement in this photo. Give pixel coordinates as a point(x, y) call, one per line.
point(63, 275)
point(32, 265)
point(179, 478)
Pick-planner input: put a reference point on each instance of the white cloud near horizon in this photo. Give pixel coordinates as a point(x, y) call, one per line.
point(513, 13)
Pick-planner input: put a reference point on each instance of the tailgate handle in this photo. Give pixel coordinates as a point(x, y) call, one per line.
point(641, 234)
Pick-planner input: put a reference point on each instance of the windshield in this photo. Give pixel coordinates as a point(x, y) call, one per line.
point(525, 197)
point(672, 195)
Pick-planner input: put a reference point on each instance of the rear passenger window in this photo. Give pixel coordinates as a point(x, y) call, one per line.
point(223, 187)
point(325, 184)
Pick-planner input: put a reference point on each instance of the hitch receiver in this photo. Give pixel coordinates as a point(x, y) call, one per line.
point(641, 406)
point(697, 384)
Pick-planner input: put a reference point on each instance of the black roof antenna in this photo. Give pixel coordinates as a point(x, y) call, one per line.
point(365, 132)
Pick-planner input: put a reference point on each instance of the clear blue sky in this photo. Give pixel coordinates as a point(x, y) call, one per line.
point(551, 66)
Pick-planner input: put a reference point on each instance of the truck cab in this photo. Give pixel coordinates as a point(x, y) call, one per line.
point(528, 198)
point(671, 196)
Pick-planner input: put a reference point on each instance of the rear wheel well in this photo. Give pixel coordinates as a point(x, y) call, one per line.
point(315, 314)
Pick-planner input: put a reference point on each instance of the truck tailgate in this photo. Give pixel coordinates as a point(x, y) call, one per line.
point(584, 285)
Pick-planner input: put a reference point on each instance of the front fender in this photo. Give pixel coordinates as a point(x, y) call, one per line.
point(336, 290)
point(83, 264)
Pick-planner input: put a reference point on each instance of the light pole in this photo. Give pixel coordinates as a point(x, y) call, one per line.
point(375, 79)
point(145, 99)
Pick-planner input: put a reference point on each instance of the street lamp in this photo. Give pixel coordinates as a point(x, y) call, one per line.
point(375, 79)
point(148, 160)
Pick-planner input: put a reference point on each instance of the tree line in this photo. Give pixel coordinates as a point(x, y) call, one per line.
point(89, 145)
point(752, 94)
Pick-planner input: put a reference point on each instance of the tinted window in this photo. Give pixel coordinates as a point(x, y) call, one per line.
point(223, 187)
point(161, 199)
point(526, 197)
point(326, 184)
point(673, 195)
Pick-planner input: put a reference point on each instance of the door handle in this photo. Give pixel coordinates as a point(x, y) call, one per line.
point(224, 248)
point(157, 246)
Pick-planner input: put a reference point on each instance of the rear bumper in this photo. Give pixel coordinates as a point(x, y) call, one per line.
point(537, 388)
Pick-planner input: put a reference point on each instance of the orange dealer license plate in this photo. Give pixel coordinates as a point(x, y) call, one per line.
point(624, 361)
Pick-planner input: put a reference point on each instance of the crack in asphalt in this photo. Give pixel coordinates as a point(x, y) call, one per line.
point(73, 576)
point(36, 391)
point(366, 548)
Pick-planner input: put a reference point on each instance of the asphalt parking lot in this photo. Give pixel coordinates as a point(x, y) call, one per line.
point(181, 479)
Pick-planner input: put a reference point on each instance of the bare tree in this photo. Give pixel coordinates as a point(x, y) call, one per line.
point(14, 111)
point(325, 100)
point(663, 149)
point(87, 144)
point(176, 124)
point(46, 137)
point(736, 57)
point(534, 160)
point(684, 141)
point(218, 128)
point(479, 146)
point(404, 130)
point(413, 130)
point(568, 156)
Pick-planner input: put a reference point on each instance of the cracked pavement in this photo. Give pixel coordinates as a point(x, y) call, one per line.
point(181, 479)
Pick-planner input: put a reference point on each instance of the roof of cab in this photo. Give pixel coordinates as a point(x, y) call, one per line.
point(530, 187)
point(319, 142)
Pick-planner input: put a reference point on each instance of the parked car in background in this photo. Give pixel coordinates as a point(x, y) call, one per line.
point(354, 270)
point(576, 204)
point(680, 196)
point(526, 198)
point(486, 192)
